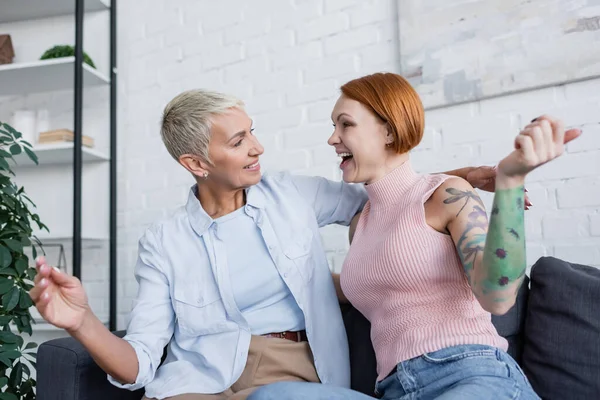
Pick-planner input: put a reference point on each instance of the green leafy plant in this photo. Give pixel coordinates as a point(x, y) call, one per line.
point(65, 51)
point(16, 274)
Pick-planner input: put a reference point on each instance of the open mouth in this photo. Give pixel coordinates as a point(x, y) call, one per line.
point(346, 157)
point(252, 167)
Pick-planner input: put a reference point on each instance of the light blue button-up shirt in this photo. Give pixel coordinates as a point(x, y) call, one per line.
point(185, 300)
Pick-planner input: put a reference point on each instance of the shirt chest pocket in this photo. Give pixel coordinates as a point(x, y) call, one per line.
point(298, 250)
point(199, 312)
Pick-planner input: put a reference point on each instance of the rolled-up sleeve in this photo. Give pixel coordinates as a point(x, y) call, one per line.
point(152, 318)
point(333, 202)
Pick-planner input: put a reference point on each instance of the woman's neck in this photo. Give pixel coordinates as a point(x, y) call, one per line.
point(392, 162)
point(218, 202)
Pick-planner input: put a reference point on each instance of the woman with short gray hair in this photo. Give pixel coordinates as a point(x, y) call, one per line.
point(235, 284)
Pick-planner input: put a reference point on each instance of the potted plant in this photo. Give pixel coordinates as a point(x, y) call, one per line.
point(65, 50)
point(16, 274)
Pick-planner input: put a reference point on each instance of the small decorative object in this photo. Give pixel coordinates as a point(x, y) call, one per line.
point(63, 135)
point(7, 53)
point(65, 51)
point(25, 122)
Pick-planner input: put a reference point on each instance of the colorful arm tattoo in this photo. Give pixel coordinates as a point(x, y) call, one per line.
point(495, 249)
point(504, 254)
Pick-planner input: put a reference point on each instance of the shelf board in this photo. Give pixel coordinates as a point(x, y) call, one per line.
point(58, 154)
point(21, 10)
point(59, 237)
point(45, 76)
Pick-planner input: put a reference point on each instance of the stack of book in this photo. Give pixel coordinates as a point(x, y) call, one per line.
point(61, 136)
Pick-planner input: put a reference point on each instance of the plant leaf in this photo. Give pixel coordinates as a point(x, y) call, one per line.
point(14, 245)
point(30, 345)
point(15, 149)
point(11, 299)
point(8, 396)
point(21, 266)
point(16, 375)
point(3, 381)
point(5, 285)
point(5, 360)
point(12, 354)
point(5, 257)
point(31, 155)
point(25, 302)
point(4, 165)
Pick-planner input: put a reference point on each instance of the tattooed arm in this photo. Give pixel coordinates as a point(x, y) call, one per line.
point(493, 254)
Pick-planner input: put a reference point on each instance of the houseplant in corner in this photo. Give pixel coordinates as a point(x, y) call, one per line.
point(16, 274)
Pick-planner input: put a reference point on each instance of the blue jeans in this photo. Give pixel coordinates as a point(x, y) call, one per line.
point(459, 372)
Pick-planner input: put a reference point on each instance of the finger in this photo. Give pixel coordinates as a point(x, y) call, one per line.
point(44, 270)
point(525, 144)
point(62, 279)
point(572, 134)
point(41, 260)
point(38, 289)
point(537, 138)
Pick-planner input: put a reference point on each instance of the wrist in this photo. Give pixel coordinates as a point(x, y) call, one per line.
point(85, 326)
point(509, 182)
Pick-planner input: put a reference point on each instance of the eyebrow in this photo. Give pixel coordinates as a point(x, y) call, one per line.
point(240, 133)
point(340, 115)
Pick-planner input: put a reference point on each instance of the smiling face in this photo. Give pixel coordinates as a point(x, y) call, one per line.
point(360, 138)
point(233, 150)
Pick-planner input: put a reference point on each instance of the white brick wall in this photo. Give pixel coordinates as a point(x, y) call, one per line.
point(287, 59)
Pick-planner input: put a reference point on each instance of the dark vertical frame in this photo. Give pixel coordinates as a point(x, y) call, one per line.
point(77, 152)
point(112, 321)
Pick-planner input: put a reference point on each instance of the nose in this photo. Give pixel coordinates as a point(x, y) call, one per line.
point(256, 149)
point(334, 138)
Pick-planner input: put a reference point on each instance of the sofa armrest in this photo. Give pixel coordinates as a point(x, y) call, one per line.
point(66, 371)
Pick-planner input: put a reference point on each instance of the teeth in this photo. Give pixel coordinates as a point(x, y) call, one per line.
point(252, 166)
point(345, 155)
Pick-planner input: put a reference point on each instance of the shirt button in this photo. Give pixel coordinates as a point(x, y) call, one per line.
point(285, 275)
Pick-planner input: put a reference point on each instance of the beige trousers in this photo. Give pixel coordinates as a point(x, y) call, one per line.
point(269, 360)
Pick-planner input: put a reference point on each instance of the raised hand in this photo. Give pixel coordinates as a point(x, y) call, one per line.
point(59, 298)
point(541, 141)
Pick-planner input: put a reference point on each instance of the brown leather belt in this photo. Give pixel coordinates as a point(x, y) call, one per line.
point(299, 336)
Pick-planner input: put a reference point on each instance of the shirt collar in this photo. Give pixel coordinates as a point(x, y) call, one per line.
point(201, 221)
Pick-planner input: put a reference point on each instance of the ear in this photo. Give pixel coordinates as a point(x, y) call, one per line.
point(194, 164)
point(389, 135)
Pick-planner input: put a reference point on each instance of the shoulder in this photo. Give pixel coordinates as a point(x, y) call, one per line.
point(450, 197)
point(165, 226)
point(449, 188)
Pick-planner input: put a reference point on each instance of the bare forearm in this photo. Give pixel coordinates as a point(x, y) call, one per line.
point(338, 288)
point(114, 355)
point(504, 260)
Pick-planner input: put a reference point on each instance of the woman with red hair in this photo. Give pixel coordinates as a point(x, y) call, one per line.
point(426, 267)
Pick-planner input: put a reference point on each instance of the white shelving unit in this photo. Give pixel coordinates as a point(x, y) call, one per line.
point(45, 76)
point(50, 183)
point(20, 10)
point(57, 154)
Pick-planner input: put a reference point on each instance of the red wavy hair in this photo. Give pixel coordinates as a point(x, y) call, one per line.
point(393, 100)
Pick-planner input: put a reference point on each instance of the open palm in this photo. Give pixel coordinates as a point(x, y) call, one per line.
point(59, 298)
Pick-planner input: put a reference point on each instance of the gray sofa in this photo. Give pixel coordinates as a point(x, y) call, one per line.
point(553, 332)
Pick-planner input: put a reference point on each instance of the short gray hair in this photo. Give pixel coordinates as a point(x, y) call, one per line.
point(186, 121)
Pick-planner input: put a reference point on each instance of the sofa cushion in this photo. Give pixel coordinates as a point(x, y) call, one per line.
point(561, 356)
